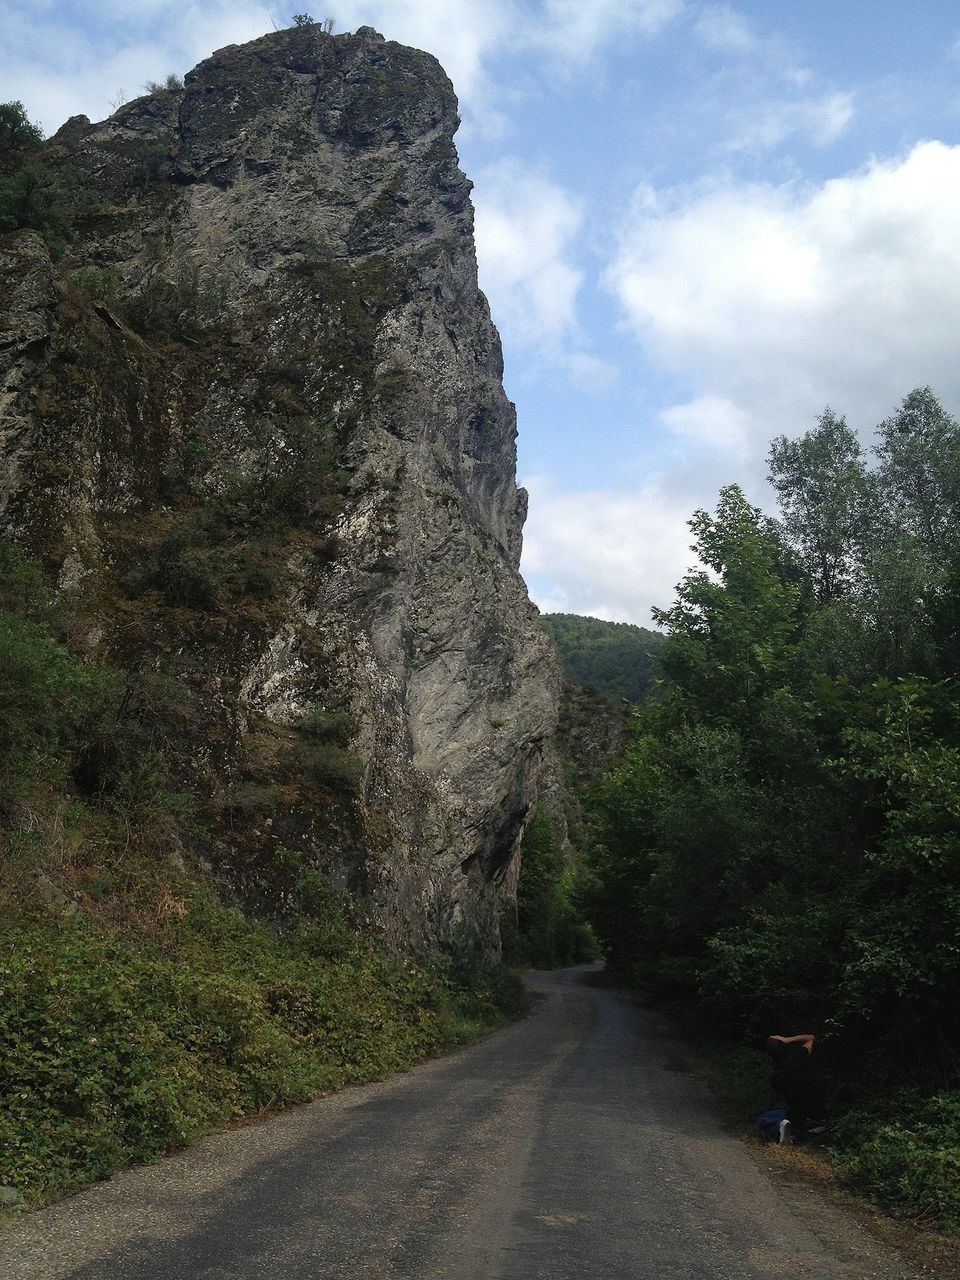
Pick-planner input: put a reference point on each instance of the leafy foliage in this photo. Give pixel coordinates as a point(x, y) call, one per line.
point(783, 837)
point(19, 137)
point(908, 1155)
point(30, 195)
point(136, 1010)
point(112, 1052)
point(828, 501)
point(551, 931)
point(321, 750)
point(170, 84)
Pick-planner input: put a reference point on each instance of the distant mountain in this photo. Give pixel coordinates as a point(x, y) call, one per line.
point(616, 659)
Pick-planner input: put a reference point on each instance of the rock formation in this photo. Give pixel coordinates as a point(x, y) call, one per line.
point(252, 419)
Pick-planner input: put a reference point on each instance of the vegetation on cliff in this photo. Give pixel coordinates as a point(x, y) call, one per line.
point(782, 836)
point(259, 438)
point(230, 876)
point(138, 1009)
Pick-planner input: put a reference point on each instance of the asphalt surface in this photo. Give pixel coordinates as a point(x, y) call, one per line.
point(572, 1144)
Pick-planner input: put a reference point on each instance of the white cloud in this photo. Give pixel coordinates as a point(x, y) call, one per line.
point(526, 227)
point(774, 301)
point(758, 92)
point(468, 38)
point(819, 120)
point(577, 30)
point(711, 422)
point(722, 27)
point(528, 233)
point(592, 374)
point(59, 70)
point(48, 63)
point(605, 552)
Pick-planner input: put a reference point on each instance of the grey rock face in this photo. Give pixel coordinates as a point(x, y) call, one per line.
point(282, 252)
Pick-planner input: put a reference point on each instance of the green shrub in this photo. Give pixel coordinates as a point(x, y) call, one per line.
point(31, 198)
point(326, 932)
point(175, 301)
point(114, 1051)
point(100, 283)
point(22, 588)
point(322, 725)
point(189, 578)
point(247, 799)
point(44, 693)
point(321, 755)
point(327, 764)
point(62, 719)
point(262, 581)
point(170, 84)
point(906, 1155)
point(19, 138)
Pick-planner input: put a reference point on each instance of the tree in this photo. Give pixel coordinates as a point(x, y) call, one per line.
point(19, 138)
point(734, 629)
point(919, 455)
point(623, 807)
point(828, 501)
point(903, 957)
point(171, 84)
point(912, 568)
point(30, 197)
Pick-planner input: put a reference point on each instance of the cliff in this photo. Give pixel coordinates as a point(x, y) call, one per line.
point(252, 421)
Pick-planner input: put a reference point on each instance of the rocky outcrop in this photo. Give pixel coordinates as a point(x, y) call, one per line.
point(253, 420)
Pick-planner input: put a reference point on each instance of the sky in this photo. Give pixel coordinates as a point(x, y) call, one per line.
point(698, 225)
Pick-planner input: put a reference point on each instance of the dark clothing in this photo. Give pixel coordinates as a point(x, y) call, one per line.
point(795, 1080)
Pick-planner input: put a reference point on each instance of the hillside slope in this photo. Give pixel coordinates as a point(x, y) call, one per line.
point(616, 659)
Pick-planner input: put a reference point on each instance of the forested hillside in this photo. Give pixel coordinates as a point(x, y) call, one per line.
point(783, 836)
point(616, 659)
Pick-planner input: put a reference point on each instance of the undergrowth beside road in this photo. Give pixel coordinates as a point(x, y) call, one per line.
point(115, 1049)
point(899, 1150)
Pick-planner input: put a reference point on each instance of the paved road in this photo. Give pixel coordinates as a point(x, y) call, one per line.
point(566, 1146)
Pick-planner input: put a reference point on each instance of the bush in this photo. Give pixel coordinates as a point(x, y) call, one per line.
point(321, 754)
point(908, 1157)
point(326, 931)
point(114, 1051)
point(321, 725)
point(30, 194)
point(175, 301)
point(44, 693)
point(171, 84)
point(19, 138)
point(100, 283)
point(22, 588)
point(31, 198)
point(328, 765)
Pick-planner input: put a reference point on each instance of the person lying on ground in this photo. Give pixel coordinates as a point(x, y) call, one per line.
point(795, 1080)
